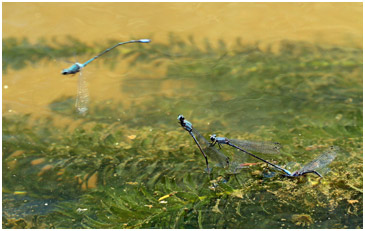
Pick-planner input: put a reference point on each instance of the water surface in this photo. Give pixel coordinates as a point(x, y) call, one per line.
point(127, 163)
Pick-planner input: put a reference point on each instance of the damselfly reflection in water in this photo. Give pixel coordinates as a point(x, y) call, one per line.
point(204, 146)
point(82, 99)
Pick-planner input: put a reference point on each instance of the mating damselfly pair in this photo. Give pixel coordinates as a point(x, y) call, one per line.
point(82, 98)
point(210, 152)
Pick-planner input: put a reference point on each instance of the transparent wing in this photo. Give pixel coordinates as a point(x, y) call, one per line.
point(321, 161)
point(265, 147)
point(211, 152)
point(82, 98)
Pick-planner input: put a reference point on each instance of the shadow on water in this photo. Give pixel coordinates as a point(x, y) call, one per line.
point(132, 166)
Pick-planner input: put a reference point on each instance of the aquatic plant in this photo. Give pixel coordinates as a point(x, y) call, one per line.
point(134, 167)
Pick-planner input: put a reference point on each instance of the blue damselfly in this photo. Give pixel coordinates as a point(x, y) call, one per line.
point(82, 98)
point(204, 146)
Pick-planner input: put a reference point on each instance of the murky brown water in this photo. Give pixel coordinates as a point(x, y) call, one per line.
point(268, 22)
point(31, 89)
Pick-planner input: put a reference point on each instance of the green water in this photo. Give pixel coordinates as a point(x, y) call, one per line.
point(305, 96)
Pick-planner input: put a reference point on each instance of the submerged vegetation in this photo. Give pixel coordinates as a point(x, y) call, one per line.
point(134, 167)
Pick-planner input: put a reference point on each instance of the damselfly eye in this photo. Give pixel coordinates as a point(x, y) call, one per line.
point(212, 137)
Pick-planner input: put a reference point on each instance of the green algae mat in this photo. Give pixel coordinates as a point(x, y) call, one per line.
point(133, 166)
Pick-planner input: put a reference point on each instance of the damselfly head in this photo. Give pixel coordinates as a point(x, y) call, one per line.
point(73, 69)
point(69, 71)
point(181, 118)
point(212, 137)
point(184, 123)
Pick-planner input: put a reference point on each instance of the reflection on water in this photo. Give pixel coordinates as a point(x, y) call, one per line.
point(109, 168)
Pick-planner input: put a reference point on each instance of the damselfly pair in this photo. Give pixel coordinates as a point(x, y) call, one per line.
point(82, 99)
point(208, 150)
